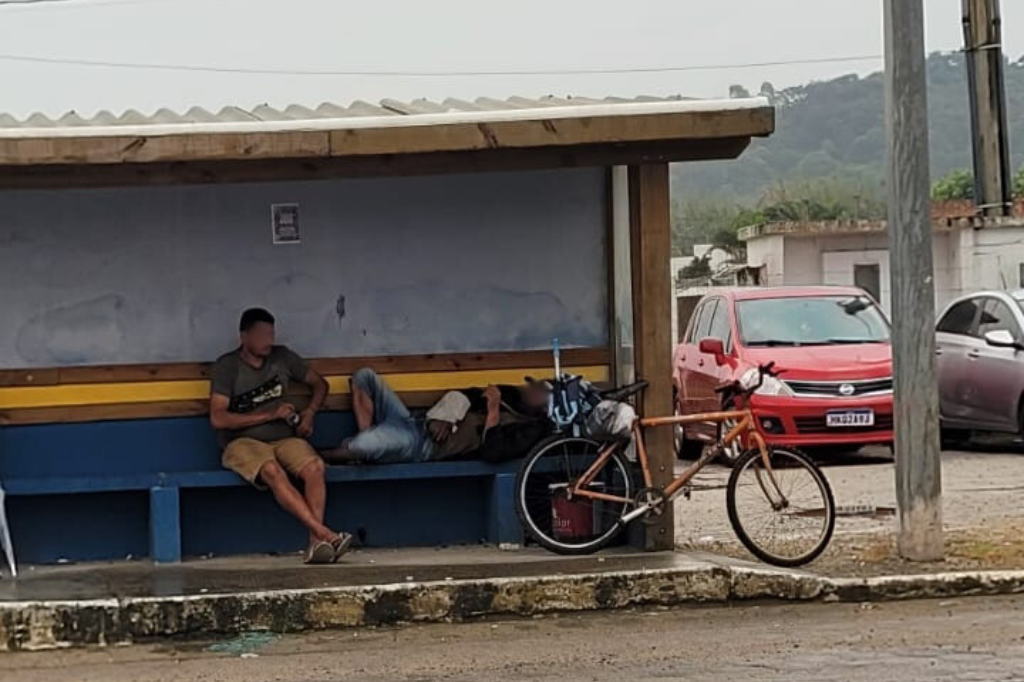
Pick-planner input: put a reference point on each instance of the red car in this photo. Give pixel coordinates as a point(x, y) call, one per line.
point(832, 345)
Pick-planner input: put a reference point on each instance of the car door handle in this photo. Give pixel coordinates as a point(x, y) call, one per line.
point(938, 351)
point(974, 354)
point(700, 363)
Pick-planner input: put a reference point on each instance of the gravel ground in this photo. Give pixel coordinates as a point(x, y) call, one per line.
point(983, 512)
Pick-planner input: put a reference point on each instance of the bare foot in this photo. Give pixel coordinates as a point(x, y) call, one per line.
point(340, 455)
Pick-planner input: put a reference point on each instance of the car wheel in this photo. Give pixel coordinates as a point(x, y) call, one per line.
point(685, 449)
point(954, 439)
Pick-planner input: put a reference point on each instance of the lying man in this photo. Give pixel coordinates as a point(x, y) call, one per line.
point(264, 437)
point(497, 423)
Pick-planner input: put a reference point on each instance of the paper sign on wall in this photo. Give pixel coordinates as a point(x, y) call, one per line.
point(285, 223)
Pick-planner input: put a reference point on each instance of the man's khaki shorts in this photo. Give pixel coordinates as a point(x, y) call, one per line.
point(246, 457)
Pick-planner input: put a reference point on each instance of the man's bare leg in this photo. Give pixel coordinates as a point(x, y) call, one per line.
point(292, 502)
point(314, 489)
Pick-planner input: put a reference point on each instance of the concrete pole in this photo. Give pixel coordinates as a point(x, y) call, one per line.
point(993, 191)
point(918, 462)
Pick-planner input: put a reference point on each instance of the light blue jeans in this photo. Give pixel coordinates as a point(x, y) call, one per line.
point(395, 436)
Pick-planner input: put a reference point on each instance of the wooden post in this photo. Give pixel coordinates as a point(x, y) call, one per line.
point(918, 461)
point(650, 250)
point(993, 192)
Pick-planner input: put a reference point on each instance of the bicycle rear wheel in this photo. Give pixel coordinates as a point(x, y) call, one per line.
point(784, 514)
point(551, 515)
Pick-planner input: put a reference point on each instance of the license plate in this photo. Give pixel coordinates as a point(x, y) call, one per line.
point(849, 418)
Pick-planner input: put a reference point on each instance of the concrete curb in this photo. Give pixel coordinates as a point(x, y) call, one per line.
point(925, 586)
point(51, 624)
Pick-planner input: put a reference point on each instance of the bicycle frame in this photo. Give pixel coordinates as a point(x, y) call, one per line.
point(744, 427)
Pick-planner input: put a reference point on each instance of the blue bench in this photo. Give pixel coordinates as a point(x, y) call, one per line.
point(165, 489)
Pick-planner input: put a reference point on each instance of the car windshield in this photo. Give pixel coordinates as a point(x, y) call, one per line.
point(811, 321)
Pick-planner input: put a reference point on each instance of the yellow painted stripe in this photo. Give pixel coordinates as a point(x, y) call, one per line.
point(24, 397)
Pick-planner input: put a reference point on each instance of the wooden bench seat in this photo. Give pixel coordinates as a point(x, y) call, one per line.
point(165, 488)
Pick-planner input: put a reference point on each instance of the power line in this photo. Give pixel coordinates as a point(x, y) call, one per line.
point(15, 6)
point(33, 59)
point(36, 2)
point(29, 4)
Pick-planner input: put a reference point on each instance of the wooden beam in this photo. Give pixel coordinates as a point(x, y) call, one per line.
point(138, 147)
point(52, 176)
point(983, 46)
point(388, 364)
point(650, 248)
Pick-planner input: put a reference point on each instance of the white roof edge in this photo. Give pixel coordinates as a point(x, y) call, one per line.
point(391, 121)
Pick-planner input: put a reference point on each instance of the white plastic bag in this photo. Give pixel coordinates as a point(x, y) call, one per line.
point(611, 420)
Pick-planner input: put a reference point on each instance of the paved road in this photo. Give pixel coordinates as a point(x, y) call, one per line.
point(979, 639)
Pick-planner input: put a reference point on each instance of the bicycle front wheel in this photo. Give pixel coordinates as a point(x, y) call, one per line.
point(552, 515)
point(783, 513)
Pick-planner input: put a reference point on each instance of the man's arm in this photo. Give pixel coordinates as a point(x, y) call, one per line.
point(320, 389)
point(492, 394)
point(223, 419)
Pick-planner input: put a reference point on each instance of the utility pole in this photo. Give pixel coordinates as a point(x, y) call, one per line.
point(918, 461)
point(983, 44)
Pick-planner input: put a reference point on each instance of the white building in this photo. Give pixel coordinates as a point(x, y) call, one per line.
point(969, 255)
point(687, 293)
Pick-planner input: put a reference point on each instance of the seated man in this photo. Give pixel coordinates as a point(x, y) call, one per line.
point(263, 436)
point(498, 423)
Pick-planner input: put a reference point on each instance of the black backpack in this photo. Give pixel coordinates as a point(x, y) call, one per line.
point(512, 441)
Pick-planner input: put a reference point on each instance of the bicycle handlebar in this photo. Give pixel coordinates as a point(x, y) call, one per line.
point(762, 372)
point(623, 392)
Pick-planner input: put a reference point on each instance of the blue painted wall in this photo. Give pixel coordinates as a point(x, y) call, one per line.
point(408, 265)
point(386, 265)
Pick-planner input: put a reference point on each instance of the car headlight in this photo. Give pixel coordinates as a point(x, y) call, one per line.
point(770, 385)
point(749, 379)
point(773, 386)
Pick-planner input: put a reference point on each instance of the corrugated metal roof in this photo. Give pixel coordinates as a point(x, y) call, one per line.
point(326, 110)
point(388, 128)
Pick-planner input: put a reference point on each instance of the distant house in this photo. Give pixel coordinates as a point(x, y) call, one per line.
point(723, 271)
point(970, 254)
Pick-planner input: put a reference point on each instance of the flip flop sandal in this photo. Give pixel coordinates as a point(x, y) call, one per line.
point(342, 545)
point(320, 553)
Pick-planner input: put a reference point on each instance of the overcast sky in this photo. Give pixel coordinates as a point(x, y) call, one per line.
point(434, 35)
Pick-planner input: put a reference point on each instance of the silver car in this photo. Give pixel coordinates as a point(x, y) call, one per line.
point(980, 346)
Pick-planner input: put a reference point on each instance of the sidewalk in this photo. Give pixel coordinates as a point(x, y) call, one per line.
point(360, 568)
point(111, 604)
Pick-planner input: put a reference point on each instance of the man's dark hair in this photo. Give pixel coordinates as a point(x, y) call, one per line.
point(252, 316)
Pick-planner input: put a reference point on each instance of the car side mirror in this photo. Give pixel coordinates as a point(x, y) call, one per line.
point(1001, 338)
point(714, 347)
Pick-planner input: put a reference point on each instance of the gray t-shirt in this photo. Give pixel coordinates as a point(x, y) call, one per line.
point(257, 390)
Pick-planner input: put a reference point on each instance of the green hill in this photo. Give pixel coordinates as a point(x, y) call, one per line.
point(835, 130)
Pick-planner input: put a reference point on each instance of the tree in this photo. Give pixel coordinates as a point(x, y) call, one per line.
point(957, 186)
point(1018, 184)
point(738, 92)
point(700, 268)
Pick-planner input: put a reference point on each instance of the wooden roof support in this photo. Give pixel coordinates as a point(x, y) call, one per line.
point(650, 247)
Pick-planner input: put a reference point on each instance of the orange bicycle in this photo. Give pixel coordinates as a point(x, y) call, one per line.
point(576, 492)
